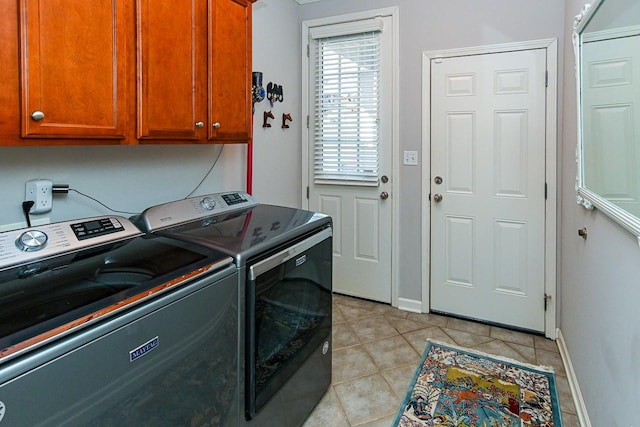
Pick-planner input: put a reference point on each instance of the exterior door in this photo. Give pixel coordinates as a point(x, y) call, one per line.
point(488, 187)
point(361, 211)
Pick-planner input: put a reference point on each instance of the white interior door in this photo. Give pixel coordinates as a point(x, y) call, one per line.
point(361, 210)
point(488, 187)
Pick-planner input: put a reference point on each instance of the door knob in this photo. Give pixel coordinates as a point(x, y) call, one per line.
point(437, 198)
point(199, 125)
point(216, 125)
point(384, 195)
point(37, 115)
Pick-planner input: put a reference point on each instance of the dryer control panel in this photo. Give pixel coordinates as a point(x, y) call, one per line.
point(31, 244)
point(182, 211)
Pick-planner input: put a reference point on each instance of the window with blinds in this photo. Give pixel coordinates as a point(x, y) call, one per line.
point(347, 106)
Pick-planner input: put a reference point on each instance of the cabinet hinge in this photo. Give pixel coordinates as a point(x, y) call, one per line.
point(547, 300)
point(546, 191)
point(546, 78)
point(307, 193)
point(307, 121)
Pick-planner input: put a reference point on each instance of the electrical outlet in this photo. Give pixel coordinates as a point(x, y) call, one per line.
point(411, 158)
point(40, 191)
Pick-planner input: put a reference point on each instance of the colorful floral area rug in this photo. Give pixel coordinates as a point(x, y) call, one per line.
point(459, 387)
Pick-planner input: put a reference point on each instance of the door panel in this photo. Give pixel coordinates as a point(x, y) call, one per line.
point(361, 245)
point(230, 71)
point(331, 205)
point(172, 84)
point(366, 219)
point(488, 223)
point(73, 57)
point(460, 134)
point(459, 245)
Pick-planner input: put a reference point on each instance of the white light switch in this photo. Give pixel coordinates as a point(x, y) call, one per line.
point(411, 158)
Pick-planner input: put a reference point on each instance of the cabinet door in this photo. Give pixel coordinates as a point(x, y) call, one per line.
point(172, 69)
point(73, 55)
point(230, 71)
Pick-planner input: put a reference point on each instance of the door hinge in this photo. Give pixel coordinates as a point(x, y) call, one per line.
point(547, 300)
point(307, 192)
point(307, 51)
point(307, 121)
point(546, 78)
point(546, 191)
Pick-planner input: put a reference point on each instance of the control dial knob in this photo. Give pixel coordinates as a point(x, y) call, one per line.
point(31, 241)
point(208, 203)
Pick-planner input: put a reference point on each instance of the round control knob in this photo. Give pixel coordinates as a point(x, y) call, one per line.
point(208, 203)
point(31, 241)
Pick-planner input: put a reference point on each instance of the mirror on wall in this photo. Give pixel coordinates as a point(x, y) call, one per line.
point(607, 47)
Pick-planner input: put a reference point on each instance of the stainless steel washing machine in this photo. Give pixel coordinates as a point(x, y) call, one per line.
point(101, 325)
point(284, 261)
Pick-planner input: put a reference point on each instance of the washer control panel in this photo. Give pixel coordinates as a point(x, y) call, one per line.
point(96, 227)
point(44, 241)
point(181, 211)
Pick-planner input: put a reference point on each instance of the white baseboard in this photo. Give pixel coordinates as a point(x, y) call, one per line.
point(581, 408)
point(411, 305)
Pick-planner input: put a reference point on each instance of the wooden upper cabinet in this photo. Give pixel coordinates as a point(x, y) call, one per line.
point(194, 78)
point(73, 75)
point(80, 72)
point(230, 70)
point(172, 69)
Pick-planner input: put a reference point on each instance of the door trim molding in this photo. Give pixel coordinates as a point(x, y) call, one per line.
point(551, 47)
point(394, 13)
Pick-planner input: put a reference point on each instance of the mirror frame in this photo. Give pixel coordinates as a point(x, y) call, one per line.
point(585, 197)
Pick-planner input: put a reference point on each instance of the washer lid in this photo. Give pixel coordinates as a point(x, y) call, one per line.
point(251, 231)
point(46, 299)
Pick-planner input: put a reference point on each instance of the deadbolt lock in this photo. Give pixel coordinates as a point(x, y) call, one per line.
point(437, 180)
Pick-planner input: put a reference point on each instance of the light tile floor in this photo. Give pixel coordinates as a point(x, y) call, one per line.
point(376, 349)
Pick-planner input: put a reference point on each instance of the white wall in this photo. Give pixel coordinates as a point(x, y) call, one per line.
point(277, 151)
point(600, 289)
point(127, 178)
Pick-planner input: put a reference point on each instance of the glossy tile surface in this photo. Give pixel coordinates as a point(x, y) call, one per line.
point(376, 349)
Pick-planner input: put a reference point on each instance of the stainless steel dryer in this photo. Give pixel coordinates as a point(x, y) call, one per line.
point(103, 326)
point(284, 261)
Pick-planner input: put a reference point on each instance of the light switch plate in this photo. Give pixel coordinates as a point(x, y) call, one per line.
point(411, 158)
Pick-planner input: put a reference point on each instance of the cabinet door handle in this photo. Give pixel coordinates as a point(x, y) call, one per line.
point(199, 124)
point(216, 125)
point(37, 115)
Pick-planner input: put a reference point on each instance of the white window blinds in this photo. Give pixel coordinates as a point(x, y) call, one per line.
point(347, 105)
